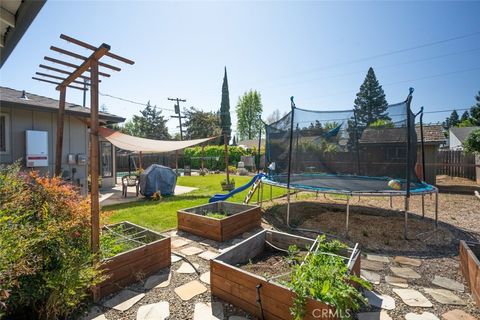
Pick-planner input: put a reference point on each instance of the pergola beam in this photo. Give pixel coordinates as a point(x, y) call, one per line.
point(59, 78)
point(97, 54)
point(57, 83)
point(62, 71)
point(71, 65)
point(79, 56)
point(88, 46)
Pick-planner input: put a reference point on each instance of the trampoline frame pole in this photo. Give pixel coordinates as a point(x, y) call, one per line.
point(436, 210)
point(422, 144)
point(292, 105)
point(423, 206)
point(408, 164)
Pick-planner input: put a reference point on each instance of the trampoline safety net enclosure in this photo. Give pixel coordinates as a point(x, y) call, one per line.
point(346, 151)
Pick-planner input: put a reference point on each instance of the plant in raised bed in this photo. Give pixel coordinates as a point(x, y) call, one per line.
point(216, 215)
point(323, 275)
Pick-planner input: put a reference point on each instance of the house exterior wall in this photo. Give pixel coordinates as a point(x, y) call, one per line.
point(454, 142)
point(75, 140)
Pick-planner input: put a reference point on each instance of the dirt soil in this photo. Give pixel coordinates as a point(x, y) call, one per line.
point(270, 263)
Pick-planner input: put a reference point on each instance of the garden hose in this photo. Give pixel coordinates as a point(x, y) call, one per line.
point(185, 258)
point(259, 300)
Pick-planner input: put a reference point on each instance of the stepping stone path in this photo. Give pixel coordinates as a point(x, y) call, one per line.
point(448, 284)
point(378, 258)
point(205, 277)
point(154, 311)
point(370, 276)
point(396, 281)
point(382, 315)
point(187, 268)
point(408, 261)
point(445, 296)
point(405, 273)
point(380, 301)
point(179, 243)
point(160, 280)
point(372, 265)
point(124, 300)
point(190, 251)
point(423, 316)
point(208, 255)
point(190, 290)
point(207, 311)
point(457, 315)
point(413, 298)
point(175, 258)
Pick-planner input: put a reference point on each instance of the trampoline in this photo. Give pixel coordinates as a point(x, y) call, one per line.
point(359, 152)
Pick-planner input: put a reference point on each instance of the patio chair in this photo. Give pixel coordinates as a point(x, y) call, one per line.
point(130, 180)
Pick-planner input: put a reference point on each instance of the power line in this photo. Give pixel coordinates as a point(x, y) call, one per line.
point(131, 101)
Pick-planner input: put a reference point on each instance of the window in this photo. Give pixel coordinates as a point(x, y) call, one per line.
point(106, 159)
point(4, 133)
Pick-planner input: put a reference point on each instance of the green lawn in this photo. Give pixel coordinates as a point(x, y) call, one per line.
point(162, 215)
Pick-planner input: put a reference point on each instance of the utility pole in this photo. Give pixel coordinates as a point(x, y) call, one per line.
point(85, 88)
point(177, 111)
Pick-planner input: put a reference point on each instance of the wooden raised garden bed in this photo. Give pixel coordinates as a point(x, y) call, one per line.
point(470, 265)
point(147, 253)
point(238, 218)
point(232, 283)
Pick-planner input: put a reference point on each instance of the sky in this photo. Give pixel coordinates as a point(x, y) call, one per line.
point(318, 52)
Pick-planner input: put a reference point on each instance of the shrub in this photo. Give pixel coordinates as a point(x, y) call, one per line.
point(46, 267)
point(234, 156)
point(472, 143)
point(232, 169)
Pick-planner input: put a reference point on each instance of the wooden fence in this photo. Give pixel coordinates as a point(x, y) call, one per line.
point(456, 164)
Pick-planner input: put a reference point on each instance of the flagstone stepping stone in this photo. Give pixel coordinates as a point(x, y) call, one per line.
point(208, 255)
point(205, 277)
point(396, 281)
point(160, 280)
point(370, 276)
point(179, 243)
point(380, 300)
point(378, 258)
point(413, 298)
point(445, 296)
point(187, 268)
point(448, 284)
point(124, 300)
point(190, 290)
point(423, 316)
point(405, 272)
point(372, 265)
point(190, 251)
point(175, 258)
point(95, 313)
point(207, 311)
point(154, 311)
point(382, 315)
point(457, 314)
point(408, 261)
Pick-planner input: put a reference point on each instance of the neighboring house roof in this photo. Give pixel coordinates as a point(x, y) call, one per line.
point(13, 98)
point(462, 133)
point(432, 134)
point(16, 17)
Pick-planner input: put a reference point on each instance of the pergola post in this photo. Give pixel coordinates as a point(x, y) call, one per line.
point(60, 121)
point(94, 161)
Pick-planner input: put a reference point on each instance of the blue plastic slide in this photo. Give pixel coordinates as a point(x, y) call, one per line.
point(223, 197)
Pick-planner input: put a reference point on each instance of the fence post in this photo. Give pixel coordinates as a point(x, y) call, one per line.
point(477, 168)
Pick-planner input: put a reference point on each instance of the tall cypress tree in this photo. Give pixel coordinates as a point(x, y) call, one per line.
point(225, 121)
point(370, 104)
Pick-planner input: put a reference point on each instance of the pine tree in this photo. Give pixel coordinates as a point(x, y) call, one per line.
point(225, 121)
point(151, 124)
point(475, 111)
point(465, 116)
point(452, 121)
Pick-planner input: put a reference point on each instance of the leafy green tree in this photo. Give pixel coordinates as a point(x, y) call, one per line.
point(465, 116)
point(382, 123)
point(225, 120)
point(249, 110)
point(475, 111)
point(201, 124)
point(370, 104)
point(150, 124)
point(452, 121)
point(472, 143)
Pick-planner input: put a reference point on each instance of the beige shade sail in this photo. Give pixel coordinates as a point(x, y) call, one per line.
point(135, 144)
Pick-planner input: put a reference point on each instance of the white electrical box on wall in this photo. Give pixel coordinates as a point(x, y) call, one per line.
point(37, 148)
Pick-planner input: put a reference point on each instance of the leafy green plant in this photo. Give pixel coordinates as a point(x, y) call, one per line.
point(112, 244)
point(46, 266)
point(472, 143)
point(232, 169)
point(216, 215)
point(324, 275)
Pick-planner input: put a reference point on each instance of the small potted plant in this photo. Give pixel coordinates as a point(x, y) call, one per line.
point(228, 185)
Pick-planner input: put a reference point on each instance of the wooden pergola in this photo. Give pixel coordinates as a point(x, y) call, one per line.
point(68, 79)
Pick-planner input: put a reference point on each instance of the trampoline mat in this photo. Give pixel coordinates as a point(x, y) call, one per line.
point(348, 183)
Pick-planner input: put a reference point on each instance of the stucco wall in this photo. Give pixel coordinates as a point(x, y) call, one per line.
point(75, 139)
